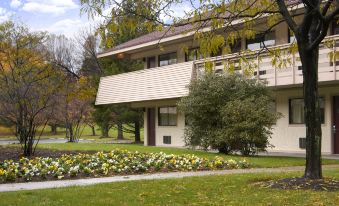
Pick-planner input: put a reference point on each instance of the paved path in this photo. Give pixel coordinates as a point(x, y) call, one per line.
point(157, 176)
point(293, 154)
point(6, 142)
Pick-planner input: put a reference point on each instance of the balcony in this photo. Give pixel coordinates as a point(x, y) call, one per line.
point(167, 82)
point(258, 64)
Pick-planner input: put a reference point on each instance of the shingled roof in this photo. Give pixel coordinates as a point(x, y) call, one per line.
point(153, 36)
point(167, 32)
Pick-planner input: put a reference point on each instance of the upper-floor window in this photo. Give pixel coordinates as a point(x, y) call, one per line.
point(335, 27)
point(291, 37)
point(167, 116)
point(193, 54)
point(260, 41)
point(236, 47)
point(151, 62)
point(167, 59)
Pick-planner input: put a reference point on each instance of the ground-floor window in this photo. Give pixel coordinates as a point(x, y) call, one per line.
point(167, 116)
point(296, 111)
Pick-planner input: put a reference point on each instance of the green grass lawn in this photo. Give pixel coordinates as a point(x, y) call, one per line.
point(209, 190)
point(7, 134)
point(255, 161)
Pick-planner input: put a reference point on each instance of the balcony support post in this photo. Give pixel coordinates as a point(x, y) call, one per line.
point(334, 59)
point(293, 68)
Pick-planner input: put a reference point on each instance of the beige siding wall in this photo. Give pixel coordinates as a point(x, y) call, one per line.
point(285, 137)
point(176, 132)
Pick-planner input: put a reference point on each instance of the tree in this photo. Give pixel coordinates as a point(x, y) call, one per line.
point(77, 96)
point(223, 16)
point(228, 113)
point(28, 82)
point(110, 66)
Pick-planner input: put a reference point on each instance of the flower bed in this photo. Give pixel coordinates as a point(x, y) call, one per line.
point(116, 162)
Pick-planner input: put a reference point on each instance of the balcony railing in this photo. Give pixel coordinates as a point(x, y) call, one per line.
point(258, 64)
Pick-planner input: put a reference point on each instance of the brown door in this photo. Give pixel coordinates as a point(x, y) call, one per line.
point(335, 126)
point(151, 126)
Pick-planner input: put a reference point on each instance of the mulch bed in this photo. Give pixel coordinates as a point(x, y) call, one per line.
point(13, 153)
point(299, 183)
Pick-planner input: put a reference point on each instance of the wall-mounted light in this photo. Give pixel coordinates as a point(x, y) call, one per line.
point(121, 56)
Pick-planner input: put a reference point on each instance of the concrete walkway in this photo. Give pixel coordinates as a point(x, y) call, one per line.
point(157, 176)
point(42, 141)
point(291, 154)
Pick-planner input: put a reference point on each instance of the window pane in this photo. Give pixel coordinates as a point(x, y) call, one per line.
point(291, 37)
point(167, 59)
point(167, 116)
point(253, 45)
point(172, 110)
point(335, 27)
point(150, 62)
point(269, 39)
point(260, 41)
point(193, 54)
point(172, 119)
point(163, 119)
point(297, 115)
point(236, 47)
point(163, 110)
point(272, 107)
point(297, 111)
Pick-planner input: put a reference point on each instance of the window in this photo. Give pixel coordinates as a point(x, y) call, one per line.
point(272, 107)
point(167, 116)
point(167, 59)
point(335, 27)
point(236, 47)
point(261, 41)
point(291, 37)
point(167, 139)
point(296, 111)
point(193, 54)
point(151, 62)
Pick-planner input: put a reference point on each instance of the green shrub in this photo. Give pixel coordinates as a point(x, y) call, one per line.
point(228, 113)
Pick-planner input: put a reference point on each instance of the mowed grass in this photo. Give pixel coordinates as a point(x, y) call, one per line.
point(256, 161)
point(7, 134)
point(209, 190)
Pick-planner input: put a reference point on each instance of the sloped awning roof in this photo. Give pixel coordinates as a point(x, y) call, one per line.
point(158, 83)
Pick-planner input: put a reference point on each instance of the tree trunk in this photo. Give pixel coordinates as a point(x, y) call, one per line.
point(309, 59)
point(120, 132)
point(137, 131)
point(93, 130)
point(70, 133)
point(53, 129)
point(104, 130)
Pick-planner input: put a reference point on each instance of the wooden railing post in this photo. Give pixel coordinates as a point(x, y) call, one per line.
point(334, 48)
point(293, 68)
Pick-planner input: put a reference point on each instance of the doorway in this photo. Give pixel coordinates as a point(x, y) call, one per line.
point(151, 126)
point(335, 126)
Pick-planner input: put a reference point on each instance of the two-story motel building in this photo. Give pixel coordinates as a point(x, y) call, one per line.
point(168, 71)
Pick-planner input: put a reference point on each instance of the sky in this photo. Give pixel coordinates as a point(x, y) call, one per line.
point(54, 16)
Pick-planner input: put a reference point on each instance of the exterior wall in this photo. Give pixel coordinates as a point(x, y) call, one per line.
point(176, 132)
point(285, 136)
